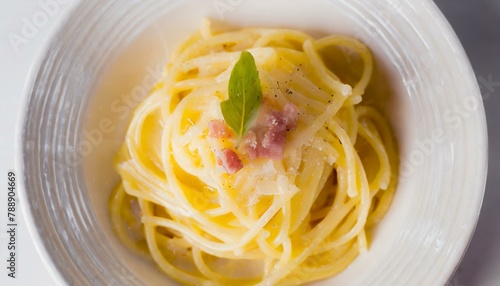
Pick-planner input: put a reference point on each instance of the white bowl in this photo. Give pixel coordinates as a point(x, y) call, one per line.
point(105, 56)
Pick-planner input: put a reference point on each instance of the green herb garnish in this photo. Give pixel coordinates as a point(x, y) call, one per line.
point(245, 95)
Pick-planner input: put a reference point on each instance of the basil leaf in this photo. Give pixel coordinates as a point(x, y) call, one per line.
point(245, 95)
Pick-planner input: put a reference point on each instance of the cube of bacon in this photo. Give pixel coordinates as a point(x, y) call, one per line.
point(229, 160)
point(267, 138)
point(218, 129)
point(273, 142)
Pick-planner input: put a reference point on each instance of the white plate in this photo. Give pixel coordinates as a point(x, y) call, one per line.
point(103, 59)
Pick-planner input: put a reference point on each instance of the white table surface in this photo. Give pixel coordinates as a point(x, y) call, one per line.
point(477, 24)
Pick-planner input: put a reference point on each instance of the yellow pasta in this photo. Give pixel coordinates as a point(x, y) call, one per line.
point(273, 222)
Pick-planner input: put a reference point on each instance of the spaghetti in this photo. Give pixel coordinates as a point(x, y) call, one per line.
point(300, 218)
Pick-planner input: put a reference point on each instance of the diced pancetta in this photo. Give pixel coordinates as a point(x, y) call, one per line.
point(218, 129)
point(267, 138)
point(229, 160)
